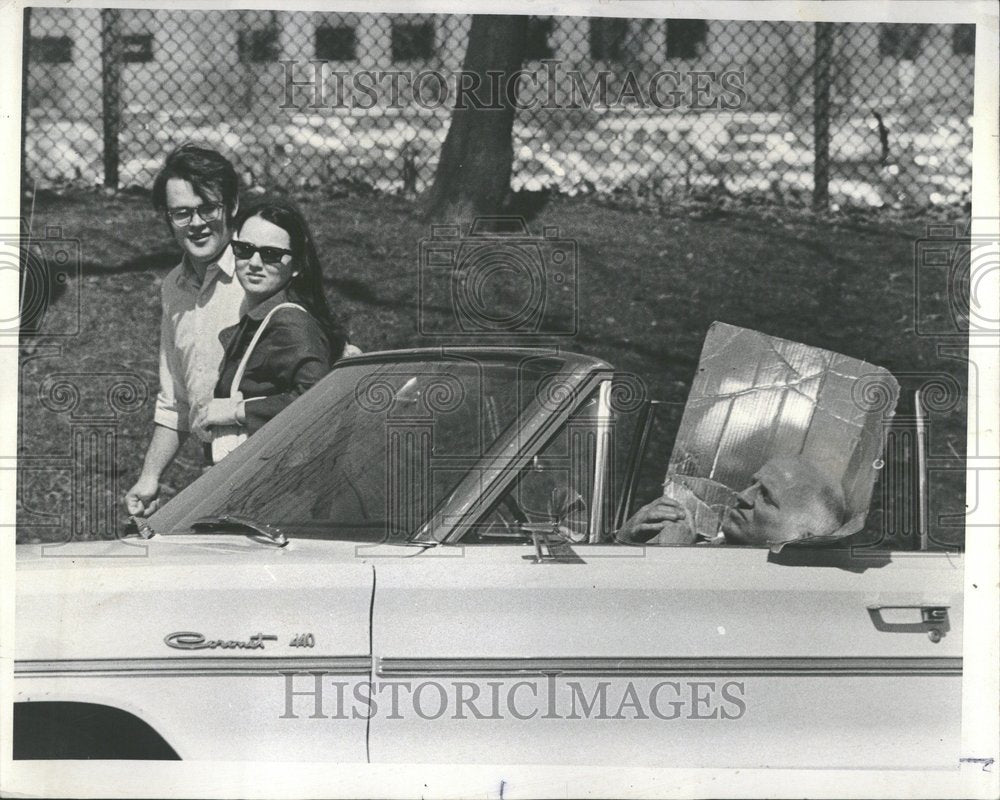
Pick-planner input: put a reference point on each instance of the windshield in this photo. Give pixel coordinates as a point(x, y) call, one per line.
point(370, 452)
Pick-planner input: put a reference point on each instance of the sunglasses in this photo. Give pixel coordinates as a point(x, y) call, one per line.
point(182, 216)
point(269, 255)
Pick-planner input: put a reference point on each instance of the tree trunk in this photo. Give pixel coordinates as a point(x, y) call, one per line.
point(473, 174)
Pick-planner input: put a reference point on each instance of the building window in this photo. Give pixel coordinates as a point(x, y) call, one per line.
point(412, 42)
point(685, 37)
point(537, 45)
point(335, 43)
point(900, 40)
point(607, 38)
point(137, 48)
point(51, 49)
point(259, 44)
point(963, 40)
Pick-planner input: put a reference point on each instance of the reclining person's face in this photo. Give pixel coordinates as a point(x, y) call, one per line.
point(789, 499)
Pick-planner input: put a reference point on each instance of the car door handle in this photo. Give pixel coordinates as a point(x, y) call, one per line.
point(929, 618)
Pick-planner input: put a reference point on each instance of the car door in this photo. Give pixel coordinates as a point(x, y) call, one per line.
point(558, 649)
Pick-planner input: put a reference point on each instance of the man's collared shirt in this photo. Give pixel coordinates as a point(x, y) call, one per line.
point(194, 314)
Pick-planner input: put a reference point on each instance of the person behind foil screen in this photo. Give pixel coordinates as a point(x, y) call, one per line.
point(789, 500)
point(282, 346)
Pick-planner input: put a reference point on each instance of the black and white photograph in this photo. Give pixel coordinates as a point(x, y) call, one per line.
point(527, 400)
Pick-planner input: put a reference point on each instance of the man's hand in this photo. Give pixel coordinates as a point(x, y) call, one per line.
point(350, 350)
point(220, 411)
point(649, 520)
point(143, 498)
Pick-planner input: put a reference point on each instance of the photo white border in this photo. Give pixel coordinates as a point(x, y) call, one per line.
point(980, 723)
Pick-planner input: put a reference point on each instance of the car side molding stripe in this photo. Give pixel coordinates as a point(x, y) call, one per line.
point(500, 667)
point(207, 666)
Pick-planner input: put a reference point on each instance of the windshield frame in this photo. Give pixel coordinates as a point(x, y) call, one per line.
point(510, 456)
point(452, 516)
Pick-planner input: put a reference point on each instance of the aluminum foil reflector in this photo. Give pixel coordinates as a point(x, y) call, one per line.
point(757, 396)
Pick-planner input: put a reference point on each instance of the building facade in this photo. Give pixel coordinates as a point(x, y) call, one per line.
point(190, 62)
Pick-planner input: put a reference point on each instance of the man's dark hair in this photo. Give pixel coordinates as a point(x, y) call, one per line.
point(209, 172)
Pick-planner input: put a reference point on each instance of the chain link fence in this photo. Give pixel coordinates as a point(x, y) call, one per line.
point(843, 114)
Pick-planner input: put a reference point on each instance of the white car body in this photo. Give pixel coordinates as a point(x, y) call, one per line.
point(699, 655)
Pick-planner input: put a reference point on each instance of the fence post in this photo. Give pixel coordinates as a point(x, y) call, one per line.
point(821, 114)
point(25, 104)
point(111, 57)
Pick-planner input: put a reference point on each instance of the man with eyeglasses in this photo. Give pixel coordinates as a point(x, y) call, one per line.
point(197, 190)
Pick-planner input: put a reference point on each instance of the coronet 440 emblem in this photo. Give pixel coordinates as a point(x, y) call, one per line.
point(190, 640)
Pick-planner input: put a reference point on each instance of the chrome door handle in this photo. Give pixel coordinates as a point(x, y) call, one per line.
point(933, 619)
point(937, 615)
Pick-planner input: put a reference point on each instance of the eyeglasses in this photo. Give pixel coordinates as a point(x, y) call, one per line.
point(269, 255)
point(207, 212)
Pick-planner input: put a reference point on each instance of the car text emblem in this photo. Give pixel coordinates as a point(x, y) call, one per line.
point(190, 640)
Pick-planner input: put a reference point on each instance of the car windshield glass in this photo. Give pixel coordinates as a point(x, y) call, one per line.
point(370, 452)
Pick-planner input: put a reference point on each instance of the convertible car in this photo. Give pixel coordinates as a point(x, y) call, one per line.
point(416, 562)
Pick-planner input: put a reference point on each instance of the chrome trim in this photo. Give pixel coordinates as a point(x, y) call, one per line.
point(271, 533)
point(644, 426)
point(525, 441)
point(763, 666)
point(923, 508)
point(600, 460)
point(500, 667)
point(188, 666)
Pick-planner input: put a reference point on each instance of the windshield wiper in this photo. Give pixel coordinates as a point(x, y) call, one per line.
point(272, 534)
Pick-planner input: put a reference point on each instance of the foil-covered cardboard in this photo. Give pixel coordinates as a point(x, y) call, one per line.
point(756, 396)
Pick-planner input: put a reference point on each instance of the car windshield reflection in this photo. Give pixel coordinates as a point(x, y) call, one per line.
point(372, 451)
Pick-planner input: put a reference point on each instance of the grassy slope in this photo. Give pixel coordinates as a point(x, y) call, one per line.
point(649, 286)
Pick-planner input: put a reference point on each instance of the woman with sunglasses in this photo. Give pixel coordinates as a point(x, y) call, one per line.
point(288, 338)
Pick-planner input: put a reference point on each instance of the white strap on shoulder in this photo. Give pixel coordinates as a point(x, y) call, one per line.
point(238, 377)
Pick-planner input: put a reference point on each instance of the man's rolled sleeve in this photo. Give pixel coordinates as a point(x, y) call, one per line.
point(172, 408)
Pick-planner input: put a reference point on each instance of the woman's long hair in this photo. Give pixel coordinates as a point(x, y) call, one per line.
point(306, 288)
